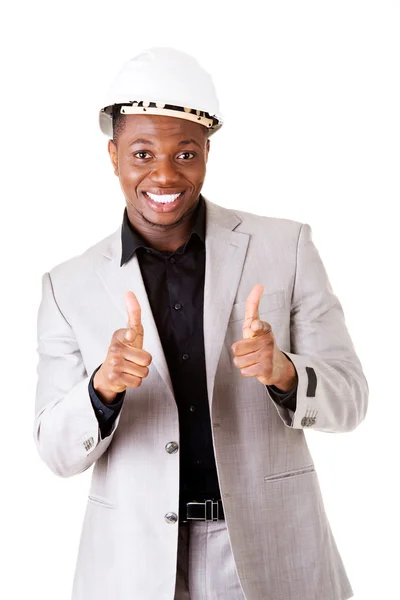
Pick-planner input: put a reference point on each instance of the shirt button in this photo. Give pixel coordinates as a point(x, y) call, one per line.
point(192, 408)
point(171, 447)
point(171, 517)
point(199, 462)
point(172, 260)
point(178, 306)
point(101, 412)
point(185, 356)
point(148, 251)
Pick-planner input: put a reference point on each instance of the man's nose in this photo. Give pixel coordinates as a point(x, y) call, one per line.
point(165, 173)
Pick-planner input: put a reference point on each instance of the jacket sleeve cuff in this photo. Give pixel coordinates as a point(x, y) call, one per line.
point(286, 399)
point(106, 414)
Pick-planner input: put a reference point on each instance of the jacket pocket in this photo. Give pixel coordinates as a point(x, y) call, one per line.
point(290, 474)
point(100, 501)
point(268, 302)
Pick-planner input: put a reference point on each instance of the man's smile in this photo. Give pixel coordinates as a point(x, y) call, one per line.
point(162, 202)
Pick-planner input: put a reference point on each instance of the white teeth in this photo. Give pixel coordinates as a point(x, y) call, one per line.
point(163, 198)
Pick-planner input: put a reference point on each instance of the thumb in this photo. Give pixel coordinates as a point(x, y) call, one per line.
point(252, 311)
point(134, 335)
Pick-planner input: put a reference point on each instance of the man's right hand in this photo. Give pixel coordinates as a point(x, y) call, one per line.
point(126, 362)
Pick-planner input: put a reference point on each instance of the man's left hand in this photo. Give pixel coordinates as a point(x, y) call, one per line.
point(257, 354)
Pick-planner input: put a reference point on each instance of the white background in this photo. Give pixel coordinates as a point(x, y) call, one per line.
point(310, 96)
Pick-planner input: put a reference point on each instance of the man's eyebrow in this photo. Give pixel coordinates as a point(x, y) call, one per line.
point(191, 141)
point(142, 142)
point(149, 143)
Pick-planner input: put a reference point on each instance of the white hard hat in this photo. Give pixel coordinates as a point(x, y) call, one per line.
point(163, 81)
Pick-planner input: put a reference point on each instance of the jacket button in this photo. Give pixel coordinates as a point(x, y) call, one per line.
point(171, 447)
point(171, 517)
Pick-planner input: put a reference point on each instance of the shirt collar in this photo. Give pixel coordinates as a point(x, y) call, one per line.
point(131, 239)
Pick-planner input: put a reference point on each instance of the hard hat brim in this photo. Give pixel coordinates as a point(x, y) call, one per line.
point(212, 123)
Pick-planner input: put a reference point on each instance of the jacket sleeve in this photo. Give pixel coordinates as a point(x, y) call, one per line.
point(332, 392)
point(66, 429)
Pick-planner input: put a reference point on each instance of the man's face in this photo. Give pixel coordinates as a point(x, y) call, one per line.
point(163, 156)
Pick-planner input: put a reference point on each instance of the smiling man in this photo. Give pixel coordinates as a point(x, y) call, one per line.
point(183, 356)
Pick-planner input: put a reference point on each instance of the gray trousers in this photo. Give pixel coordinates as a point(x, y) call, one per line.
point(205, 567)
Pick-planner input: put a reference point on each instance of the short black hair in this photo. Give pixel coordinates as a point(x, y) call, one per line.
point(118, 122)
point(119, 119)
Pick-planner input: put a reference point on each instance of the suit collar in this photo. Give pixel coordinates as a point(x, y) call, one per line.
point(216, 217)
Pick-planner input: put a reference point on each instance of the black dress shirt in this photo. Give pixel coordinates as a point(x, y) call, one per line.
point(174, 283)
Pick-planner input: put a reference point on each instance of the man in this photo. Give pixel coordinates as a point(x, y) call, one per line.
point(183, 356)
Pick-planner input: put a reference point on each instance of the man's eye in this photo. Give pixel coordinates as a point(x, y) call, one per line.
point(143, 155)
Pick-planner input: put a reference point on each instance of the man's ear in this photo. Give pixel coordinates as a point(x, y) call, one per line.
point(113, 152)
point(207, 148)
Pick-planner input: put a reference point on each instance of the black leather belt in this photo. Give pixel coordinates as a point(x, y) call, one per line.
point(203, 511)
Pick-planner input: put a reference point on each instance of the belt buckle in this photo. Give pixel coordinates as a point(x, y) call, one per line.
point(194, 518)
point(210, 507)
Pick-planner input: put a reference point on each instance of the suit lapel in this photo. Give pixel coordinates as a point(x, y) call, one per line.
point(225, 254)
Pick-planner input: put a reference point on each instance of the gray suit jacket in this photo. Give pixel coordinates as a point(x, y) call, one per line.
point(281, 539)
